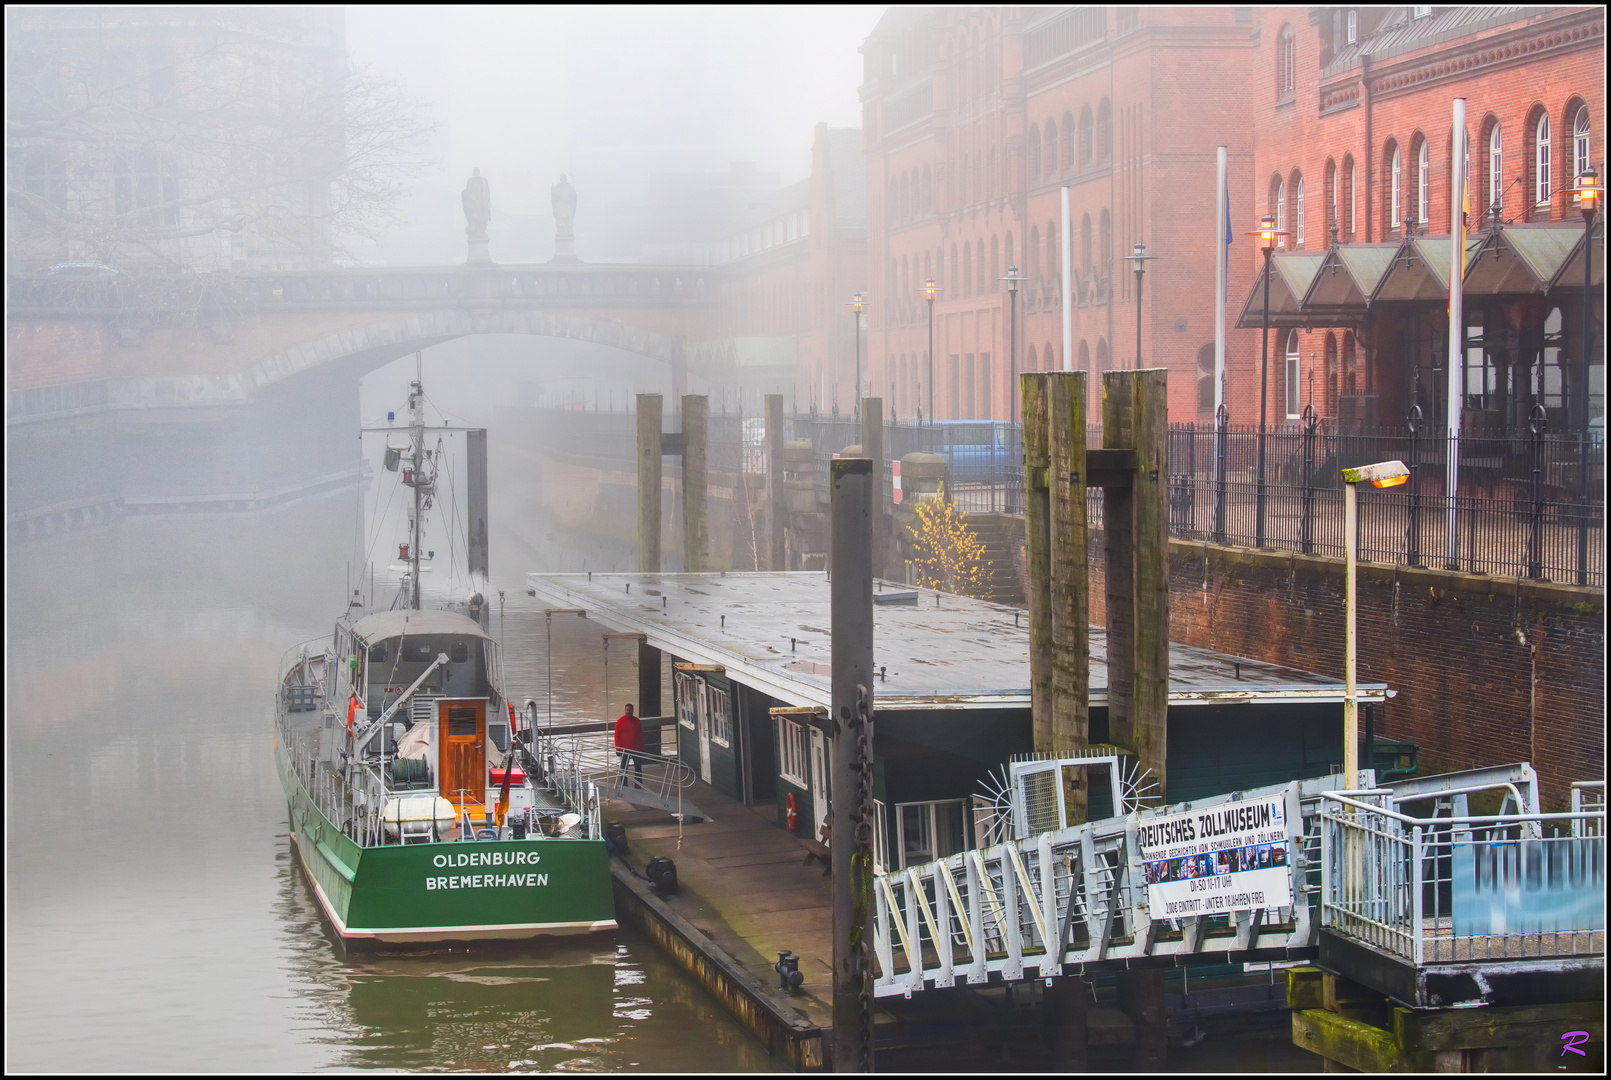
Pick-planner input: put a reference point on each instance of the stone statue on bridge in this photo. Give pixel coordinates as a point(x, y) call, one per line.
point(477, 199)
point(564, 198)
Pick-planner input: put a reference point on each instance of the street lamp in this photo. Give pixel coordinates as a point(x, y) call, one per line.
point(1266, 232)
point(930, 291)
point(1383, 475)
point(855, 307)
point(1588, 192)
point(1139, 256)
point(1012, 279)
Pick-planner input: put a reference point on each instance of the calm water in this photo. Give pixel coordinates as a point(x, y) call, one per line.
point(155, 918)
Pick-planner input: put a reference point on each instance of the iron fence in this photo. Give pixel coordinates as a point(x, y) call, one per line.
point(1529, 504)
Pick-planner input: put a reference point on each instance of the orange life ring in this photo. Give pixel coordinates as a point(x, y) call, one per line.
point(789, 811)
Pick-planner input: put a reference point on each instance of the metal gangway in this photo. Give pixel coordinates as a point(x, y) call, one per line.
point(584, 766)
point(1052, 899)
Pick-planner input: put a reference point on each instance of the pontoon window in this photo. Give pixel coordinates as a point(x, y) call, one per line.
point(377, 653)
point(459, 652)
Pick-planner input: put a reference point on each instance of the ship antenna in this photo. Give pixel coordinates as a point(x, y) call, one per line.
point(417, 407)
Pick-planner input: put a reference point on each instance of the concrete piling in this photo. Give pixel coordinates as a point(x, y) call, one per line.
point(850, 777)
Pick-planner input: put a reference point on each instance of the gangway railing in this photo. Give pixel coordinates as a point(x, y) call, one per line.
point(1463, 888)
point(1033, 905)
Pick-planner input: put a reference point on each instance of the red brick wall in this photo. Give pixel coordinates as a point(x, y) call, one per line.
point(1484, 676)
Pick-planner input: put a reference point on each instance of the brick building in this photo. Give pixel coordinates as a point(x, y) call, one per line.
point(1353, 145)
point(789, 258)
point(975, 119)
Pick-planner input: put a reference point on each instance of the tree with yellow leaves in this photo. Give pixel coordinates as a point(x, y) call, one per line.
point(946, 552)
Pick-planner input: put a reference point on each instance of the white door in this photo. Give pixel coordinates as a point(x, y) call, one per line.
point(819, 782)
point(702, 700)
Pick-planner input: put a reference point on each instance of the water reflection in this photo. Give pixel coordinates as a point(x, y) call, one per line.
point(156, 918)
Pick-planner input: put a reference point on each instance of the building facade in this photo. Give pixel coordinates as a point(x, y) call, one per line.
point(1353, 147)
point(175, 139)
point(975, 121)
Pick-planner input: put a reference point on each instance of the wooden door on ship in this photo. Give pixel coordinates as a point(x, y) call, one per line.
point(462, 726)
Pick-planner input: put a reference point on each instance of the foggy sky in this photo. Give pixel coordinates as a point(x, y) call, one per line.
point(607, 94)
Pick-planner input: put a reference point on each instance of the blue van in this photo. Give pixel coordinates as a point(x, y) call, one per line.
point(979, 451)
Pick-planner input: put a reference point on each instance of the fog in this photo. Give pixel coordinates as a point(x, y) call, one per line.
point(606, 95)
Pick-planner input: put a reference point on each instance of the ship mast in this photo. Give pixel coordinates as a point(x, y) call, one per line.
point(416, 405)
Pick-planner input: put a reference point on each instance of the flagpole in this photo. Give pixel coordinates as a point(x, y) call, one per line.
point(1223, 205)
point(1068, 288)
point(1455, 367)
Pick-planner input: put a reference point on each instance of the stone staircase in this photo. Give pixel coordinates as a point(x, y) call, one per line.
point(1001, 535)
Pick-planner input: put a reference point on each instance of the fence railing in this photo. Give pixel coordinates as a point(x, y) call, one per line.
point(1462, 888)
point(1529, 505)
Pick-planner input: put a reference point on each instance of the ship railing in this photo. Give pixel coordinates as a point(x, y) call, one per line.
point(1463, 888)
point(593, 757)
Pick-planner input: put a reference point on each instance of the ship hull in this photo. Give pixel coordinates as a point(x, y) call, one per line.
point(487, 890)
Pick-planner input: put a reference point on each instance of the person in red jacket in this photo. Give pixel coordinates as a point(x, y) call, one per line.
point(629, 744)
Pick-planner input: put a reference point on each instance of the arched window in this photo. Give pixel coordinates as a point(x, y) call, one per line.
point(1331, 196)
point(993, 178)
point(1104, 133)
point(1350, 193)
point(928, 190)
point(1297, 203)
point(1032, 256)
point(1541, 188)
point(1104, 362)
point(1087, 139)
point(1496, 170)
point(1581, 143)
point(1332, 386)
point(1278, 197)
point(1007, 250)
point(1293, 402)
point(1423, 183)
point(984, 286)
point(1085, 357)
point(1395, 182)
point(906, 198)
point(1051, 149)
point(955, 268)
point(1085, 244)
point(1106, 250)
point(964, 178)
point(1034, 152)
point(995, 266)
point(1350, 380)
point(967, 269)
point(1032, 365)
point(1286, 75)
point(1054, 252)
point(1068, 144)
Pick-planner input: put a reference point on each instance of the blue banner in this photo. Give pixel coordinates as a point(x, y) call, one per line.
point(1553, 885)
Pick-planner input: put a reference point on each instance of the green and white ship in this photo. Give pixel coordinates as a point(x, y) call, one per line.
point(414, 799)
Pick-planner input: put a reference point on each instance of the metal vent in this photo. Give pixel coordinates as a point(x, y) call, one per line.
point(422, 709)
point(1040, 801)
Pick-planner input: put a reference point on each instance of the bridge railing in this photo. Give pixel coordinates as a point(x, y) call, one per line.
point(1462, 888)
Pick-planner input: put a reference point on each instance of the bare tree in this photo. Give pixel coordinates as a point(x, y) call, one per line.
point(187, 155)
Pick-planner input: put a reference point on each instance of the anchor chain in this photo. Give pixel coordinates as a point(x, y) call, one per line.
point(861, 866)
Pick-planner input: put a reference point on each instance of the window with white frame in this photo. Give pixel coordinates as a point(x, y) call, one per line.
point(1297, 196)
point(1496, 169)
point(721, 726)
point(1281, 212)
point(1393, 215)
point(1580, 144)
point(1294, 406)
point(1423, 182)
point(1422, 10)
point(794, 750)
point(1541, 160)
point(1353, 27)
point(687, 701)
point(1353, 196)
point(1287, 61)
point(928, 830)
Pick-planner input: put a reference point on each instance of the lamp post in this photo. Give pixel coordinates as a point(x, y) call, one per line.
point(855, 307)
point(1139, 256)
point(1012, 279)
point(930, 291)
point(1266, 232)
point(1588, 192)
point(1383, 475)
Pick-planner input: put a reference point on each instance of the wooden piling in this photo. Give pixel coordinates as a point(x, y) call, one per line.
point(1070, 576)
point(1037, 543)
point(1136, 521)
point(695, 433)
point(650, 471)
point(777, 503)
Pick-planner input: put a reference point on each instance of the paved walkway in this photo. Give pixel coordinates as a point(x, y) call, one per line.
point(743, 883)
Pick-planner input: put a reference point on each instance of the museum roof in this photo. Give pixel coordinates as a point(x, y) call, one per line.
point(771, 631)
